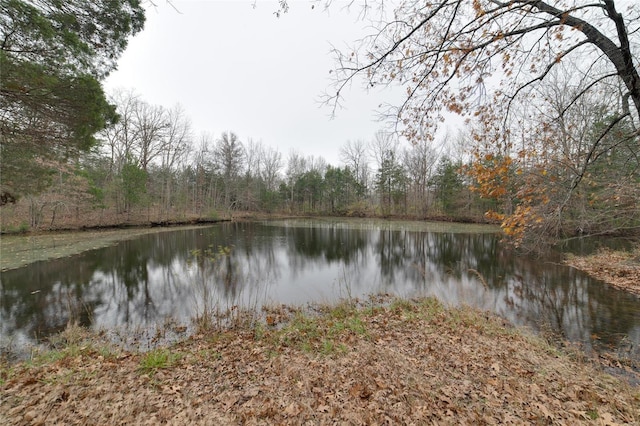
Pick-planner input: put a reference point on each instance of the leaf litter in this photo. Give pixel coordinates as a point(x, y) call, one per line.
point(400, 362)
point(620, 269)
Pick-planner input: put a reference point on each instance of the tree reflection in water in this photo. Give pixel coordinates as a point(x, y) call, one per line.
point(180, 274)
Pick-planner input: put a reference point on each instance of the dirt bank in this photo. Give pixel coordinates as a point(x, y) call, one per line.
point(396, 363)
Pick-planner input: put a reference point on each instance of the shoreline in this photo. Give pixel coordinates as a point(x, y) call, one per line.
point(402, 361)
point(619, 269)
point(142, 220)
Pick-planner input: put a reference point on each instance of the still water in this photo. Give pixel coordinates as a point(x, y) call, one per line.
point(176, 275)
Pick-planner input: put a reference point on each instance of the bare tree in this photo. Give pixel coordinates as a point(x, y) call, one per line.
point(318, 164)
point(463, 56)
point(253, 153)
point(230, 158)
point(122, 137)
point(419, 161)
point(203, 185)
point(296, 166)
point(271, 167)
point(143, 132)
point(354, 155)
point(176, 147)
point(251, 180)
point(382, 144)
point(151, 123)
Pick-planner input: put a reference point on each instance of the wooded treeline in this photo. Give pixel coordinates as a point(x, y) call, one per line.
point(550, 95)
point(550, 92)
point(150, 166)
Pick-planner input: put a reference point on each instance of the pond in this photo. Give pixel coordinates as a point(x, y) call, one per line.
point(143, 282)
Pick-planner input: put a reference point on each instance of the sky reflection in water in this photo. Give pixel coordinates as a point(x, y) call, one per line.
point(144, 281)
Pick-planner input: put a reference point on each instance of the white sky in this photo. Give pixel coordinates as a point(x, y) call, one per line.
point(237, 68)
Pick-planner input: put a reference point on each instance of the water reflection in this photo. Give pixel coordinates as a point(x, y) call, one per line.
point(180, 274)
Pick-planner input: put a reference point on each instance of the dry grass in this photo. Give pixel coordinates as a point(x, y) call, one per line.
point(403, 362)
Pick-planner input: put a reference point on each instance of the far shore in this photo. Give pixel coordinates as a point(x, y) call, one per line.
point(620, 269)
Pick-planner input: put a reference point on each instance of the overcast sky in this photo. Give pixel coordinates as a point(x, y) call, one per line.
point(239, 68)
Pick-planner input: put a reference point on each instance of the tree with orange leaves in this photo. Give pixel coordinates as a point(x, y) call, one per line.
point(490, 61)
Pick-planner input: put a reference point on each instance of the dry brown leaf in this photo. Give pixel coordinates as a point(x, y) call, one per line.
point(250, 393)
point(230, 401)
point(360, 390)
point(545, 411)
point(293, 410)
point(606, 419)
point(402, 382)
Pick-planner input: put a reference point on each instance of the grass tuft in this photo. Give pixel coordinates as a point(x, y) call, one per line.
point(158, 359)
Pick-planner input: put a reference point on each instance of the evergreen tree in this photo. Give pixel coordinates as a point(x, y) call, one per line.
point(448, 184)
point(53, 55)
point(391, 182)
